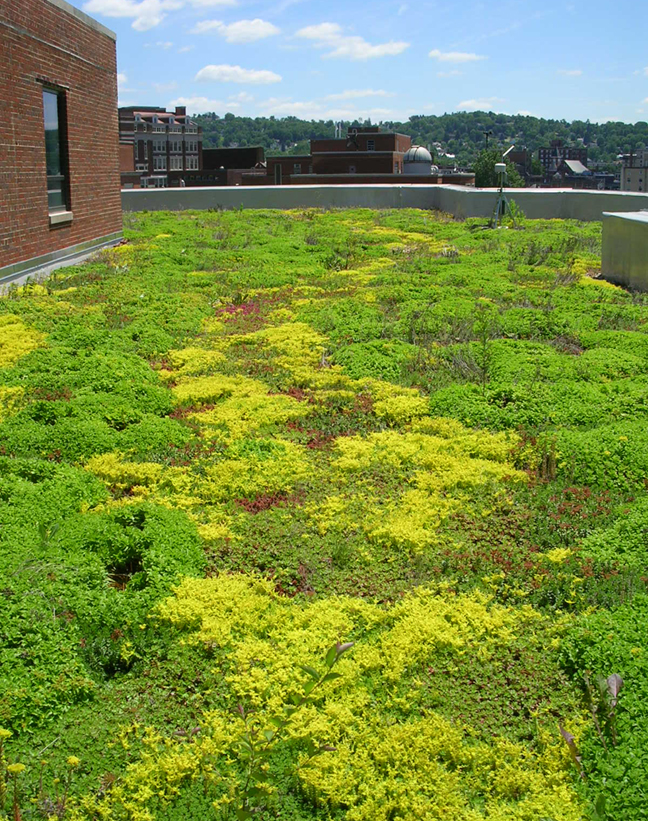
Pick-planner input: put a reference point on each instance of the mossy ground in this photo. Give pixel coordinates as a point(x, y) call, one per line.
point(386, 427)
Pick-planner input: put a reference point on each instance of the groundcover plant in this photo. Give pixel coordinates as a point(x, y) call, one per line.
point(334, 515)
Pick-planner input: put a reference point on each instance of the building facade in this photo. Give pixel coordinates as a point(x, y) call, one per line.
point(58, 106)
point(166, 146)
point(634, 178)
point(362, 151)
point(551, 157)
point(365, 155)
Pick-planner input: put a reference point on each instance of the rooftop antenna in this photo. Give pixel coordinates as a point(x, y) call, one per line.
point(502, 203)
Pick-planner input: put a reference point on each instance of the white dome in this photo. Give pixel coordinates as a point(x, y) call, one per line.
point(417, 153)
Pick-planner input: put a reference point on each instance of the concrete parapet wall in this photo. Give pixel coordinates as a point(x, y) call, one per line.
point(537, 203)
point(625, 249)
point(279, 196)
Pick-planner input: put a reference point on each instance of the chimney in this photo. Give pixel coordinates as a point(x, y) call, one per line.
point(181, 111)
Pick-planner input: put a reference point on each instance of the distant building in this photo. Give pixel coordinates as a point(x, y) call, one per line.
point(573, 174)
point(58, 76)
point(228, 166)
point(634, 174)
point(165, 146)
point(362, 151)
point(636, 159)
point(281, 169)
point(634, 179)
point(233, 158)
point(551, 157)
point(364, 156)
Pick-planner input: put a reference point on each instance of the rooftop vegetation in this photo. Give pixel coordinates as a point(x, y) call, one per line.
point(335, 515)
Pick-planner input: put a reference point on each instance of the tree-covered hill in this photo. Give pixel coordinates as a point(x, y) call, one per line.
point(461, 134)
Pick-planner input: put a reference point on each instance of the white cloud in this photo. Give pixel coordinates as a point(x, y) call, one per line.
point(482, 104)
point(236, 74)
point(206, 27)
point(241, 97)
point(243, 31)
point(284, 107)
point(358, 94)
point(330, 36)
point(526, 113)
point(455, 56)
point(210, 4)
point(122, 79)
point(198, 105)
point(318, 110)
point(146, 14)
point(452, 73)
point(185, 49)
point(570, 72)
point(165, 45)
point(162, 87)
point(352, 113)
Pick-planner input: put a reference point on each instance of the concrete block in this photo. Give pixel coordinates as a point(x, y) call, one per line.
point(625, 249)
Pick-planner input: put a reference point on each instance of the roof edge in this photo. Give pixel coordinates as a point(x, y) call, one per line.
point(84, 18)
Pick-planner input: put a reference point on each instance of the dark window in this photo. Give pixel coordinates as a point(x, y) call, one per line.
point(371, 145)
point(58, 198)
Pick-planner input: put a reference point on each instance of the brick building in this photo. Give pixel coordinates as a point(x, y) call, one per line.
point(362, 151)
point(229, 166)
point(58, 113)
point(280, 170)
point(573, 174)
point(166, 146)
point(365, 155)
point(551, 157)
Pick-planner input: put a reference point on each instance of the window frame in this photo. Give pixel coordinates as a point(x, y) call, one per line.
point(58, 214)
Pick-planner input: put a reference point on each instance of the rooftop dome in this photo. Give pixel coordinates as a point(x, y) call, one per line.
point(417, 153)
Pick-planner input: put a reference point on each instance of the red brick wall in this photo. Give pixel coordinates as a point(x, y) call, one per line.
point(126, 158)
point(40, 42)
point(365, 163)
point(364, 179)
point(383, 141)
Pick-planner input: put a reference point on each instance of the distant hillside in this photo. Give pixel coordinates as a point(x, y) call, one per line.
point(461, 134)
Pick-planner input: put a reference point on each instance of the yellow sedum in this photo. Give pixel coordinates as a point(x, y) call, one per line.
point(16, 339)
point(10, 400)
point(195, 361)
point(244, 406)
point(437, 463)
point(275, 467)
point(123, 475)
point(421, 766)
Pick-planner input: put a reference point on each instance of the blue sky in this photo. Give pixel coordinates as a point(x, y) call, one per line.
point(384, 59)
